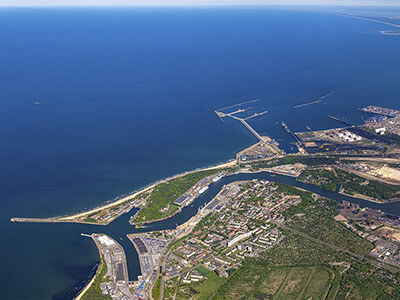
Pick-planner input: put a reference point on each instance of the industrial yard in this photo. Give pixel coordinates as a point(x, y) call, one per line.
point(253, 222)
point(389, 122)
point(115, 282)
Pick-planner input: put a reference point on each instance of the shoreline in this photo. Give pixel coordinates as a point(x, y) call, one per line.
point(360, 196)
point(364, 197)
point(130, 236)
point(230, 163)
point(90, 283)
point(72, 218)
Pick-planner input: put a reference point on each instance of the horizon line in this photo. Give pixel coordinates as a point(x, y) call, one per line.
point(195, 5)
point(200, 3)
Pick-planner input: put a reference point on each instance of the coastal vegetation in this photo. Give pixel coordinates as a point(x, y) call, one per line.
point(160, 204)
point(371, 188)
point(94, 292)
point(350, 183)
point(321, 177)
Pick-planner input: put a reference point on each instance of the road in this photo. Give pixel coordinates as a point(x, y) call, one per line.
point(162, 280)
point(371, 261)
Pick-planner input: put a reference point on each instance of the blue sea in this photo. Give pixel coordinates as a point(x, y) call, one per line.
point(98, 102)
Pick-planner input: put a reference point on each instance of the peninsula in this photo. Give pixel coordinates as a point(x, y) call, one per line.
point(284, 240)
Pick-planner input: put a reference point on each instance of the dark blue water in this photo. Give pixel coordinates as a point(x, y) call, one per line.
point(127, 97)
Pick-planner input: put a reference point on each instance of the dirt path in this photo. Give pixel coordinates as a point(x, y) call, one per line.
point(306, 284)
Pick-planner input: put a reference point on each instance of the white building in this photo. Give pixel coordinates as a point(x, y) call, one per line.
point(380, 131)
point(239, 238)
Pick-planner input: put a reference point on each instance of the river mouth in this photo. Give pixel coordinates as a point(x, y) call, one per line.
point(119, 228)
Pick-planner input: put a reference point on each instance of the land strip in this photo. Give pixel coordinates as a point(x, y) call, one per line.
point(80, 217)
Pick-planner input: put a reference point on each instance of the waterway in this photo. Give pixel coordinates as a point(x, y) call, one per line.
point(98, 102)
point(119, 228)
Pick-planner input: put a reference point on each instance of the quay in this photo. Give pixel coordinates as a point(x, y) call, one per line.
point(113, 255)
point(308, 103)
point(252, 130)
point(340, 120)
point(150, 251)
point(221, 115)
point(295, 137)
point(372, 109)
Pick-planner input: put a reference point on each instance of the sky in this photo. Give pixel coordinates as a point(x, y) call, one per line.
point(42, 3)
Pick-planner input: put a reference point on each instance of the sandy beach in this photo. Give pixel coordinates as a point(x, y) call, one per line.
point(76, 217)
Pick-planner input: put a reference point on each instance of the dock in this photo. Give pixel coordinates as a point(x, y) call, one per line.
point(383, 111)
point(35, 220)
point(306, 104)
point(87, 235)
point(113, 255)
point(343, 121)
point(233, 114)
point(252, 130)
point(295, 137)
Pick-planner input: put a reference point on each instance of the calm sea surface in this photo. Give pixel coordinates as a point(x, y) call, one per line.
point(125, 97)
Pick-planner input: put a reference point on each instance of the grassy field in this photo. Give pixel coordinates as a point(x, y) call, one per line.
point(200, 291)
point(155, 292)
point(286, 283)
point(270, 285)
point(202, 270)
point(318, 285)
point(208, 287)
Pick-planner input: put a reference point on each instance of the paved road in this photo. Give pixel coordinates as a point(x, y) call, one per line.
point(162, 280)
point(371, 261)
